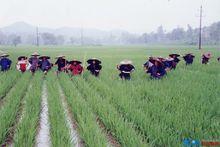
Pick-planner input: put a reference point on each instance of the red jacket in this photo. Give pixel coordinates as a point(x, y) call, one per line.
point(76, 69)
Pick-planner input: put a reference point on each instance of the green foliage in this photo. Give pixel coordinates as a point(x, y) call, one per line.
point(88, 128)
point(9, 110)
point(7, 80)
point(59, 131)
point(140, 112)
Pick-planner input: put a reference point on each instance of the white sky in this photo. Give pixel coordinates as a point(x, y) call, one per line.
point(132, 15)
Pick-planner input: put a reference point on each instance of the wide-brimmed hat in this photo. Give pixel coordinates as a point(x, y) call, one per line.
point(60, 56)
point(75, 61)
point(126, 62)
point(90, 61)
point(22, 57)
point(174, 55)
point(4, 55)
point(207, 55)
point(169, 59)
point(154, 60)
point(161, 58)
point(35, 54)
point(47, 57)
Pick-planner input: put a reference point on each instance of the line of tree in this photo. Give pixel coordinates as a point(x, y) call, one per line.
point(210, 36)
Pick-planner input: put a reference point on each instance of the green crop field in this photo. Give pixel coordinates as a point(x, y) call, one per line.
point(107, 111)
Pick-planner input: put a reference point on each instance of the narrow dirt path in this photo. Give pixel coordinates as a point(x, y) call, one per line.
point(43, 136)
point(75, 139)
point(112, 142)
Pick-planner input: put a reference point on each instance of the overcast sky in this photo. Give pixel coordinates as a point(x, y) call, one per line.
point(132, 15)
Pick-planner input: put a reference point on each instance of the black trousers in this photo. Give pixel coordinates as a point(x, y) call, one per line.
point(125, 76)
point(95, 73)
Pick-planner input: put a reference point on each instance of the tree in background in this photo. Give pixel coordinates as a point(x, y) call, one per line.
point(49, 39)
point(14, 39)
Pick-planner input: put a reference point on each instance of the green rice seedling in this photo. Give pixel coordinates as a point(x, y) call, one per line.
point(162, 102)
point(88, 128)
point(9, 110)
point(184, 104)
point(27, 127)
point(120, 128)
point(59, 132)
point(7, 80)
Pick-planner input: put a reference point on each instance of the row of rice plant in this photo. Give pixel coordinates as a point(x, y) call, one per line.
point(59, 131)
point(120, 128)
point(9, 111)
point(88, 129)
point(28, 126)
point(129, 110)
point(7, 80)
point(163, 105)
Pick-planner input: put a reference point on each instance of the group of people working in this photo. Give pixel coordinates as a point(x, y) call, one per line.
point(156, 67)
point(37, 62)
point(75, 67)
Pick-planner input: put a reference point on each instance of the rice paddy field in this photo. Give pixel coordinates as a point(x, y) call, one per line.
point(106, 111)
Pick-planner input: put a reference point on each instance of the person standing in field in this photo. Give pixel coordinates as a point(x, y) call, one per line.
point(176, 60)
point(189, 58)
point(45, 64)
point(168, 63)
point(206, 57)
point(126, 68)
point(158, 70)
point(61, 63)
point(22, 64)
point(75, 67)
point(94, 66)
point(5, 62)
point(148, 64)
point(34, 61)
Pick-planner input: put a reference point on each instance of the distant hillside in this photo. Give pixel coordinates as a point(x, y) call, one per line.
point(24, 33)
point(25, 28)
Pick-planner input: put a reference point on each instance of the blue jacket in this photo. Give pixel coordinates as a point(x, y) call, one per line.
point(5, 64)
point(45, 65)
point(157, 72)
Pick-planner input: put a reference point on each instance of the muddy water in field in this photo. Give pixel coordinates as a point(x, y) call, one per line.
point(43, 137)
point(75, 139)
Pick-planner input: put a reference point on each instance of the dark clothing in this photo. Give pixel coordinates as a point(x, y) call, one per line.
point(188, 59)
point(126, 76)
point(147, 66)
point(205, 60)
point(5, 64)
point(45, 65)
point(126, 71)
point(94, 69)
point(175, 62)
point(34, 61)
point(168, 64)
point(157, 72)
point(61, 63)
